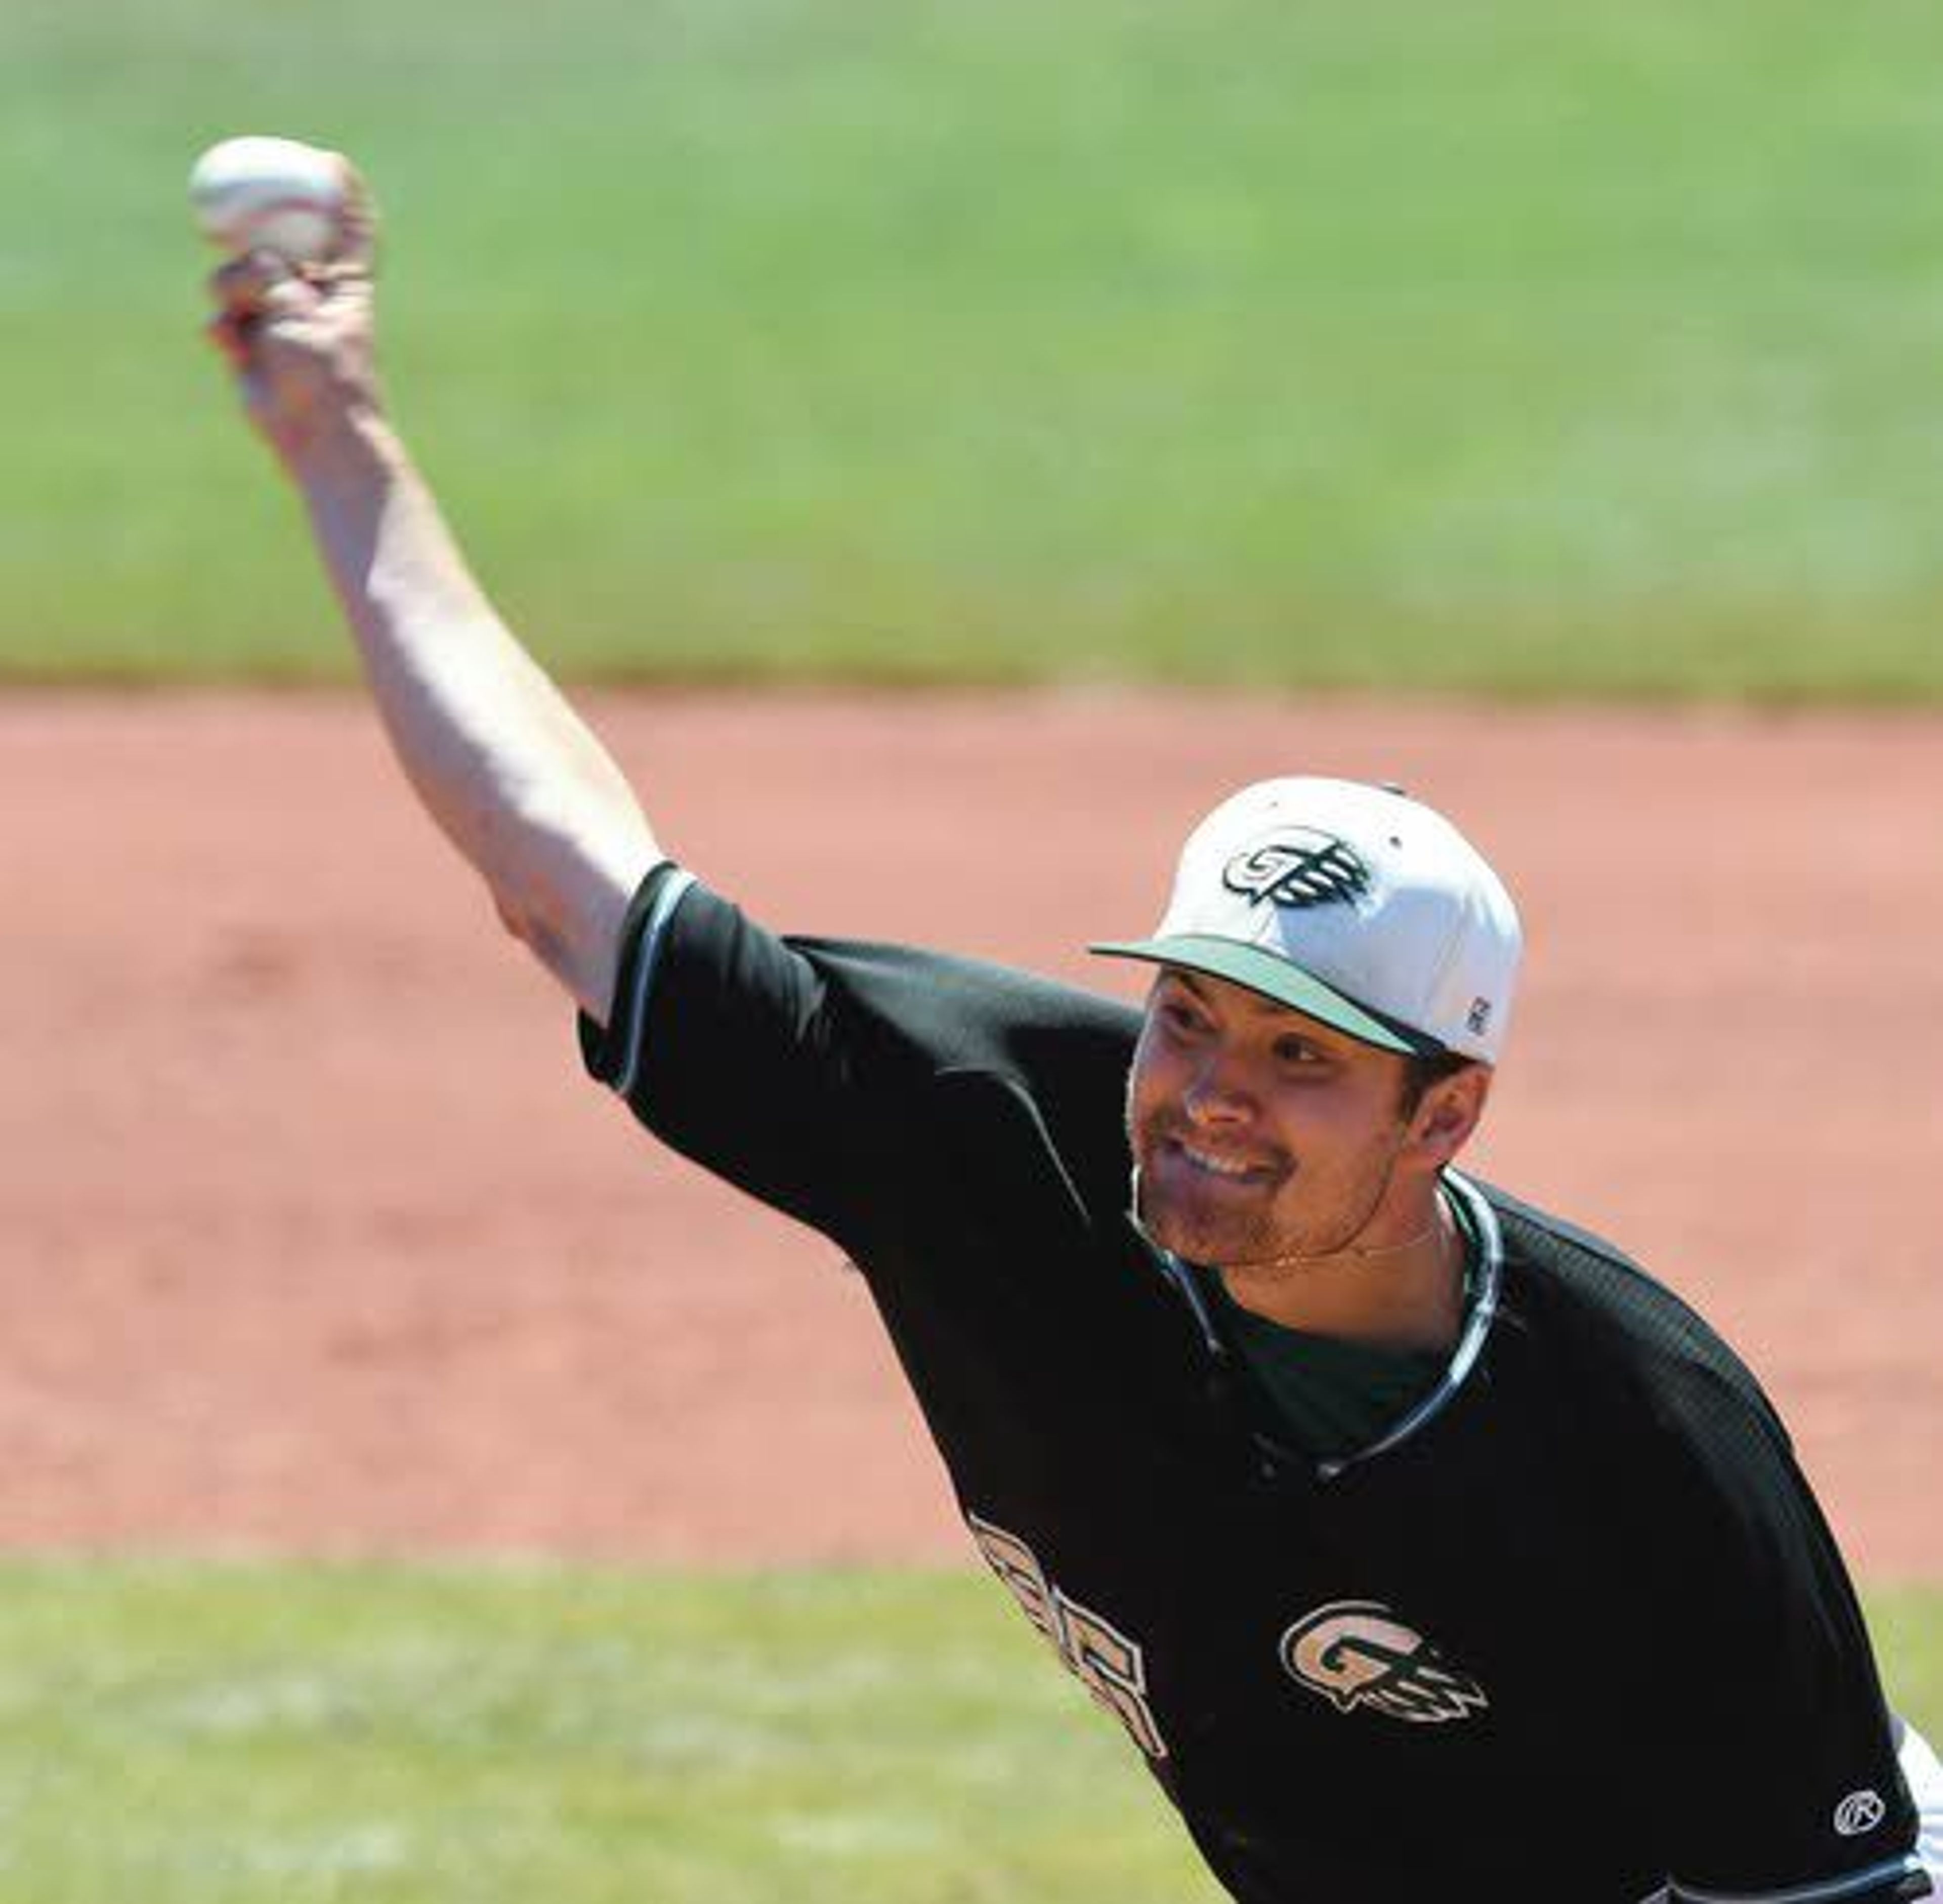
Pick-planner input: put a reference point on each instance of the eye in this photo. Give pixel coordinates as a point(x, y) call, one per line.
point(1294, 1050)
point(1180, 1015)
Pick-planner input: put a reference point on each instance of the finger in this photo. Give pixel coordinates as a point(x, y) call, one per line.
point(355, 252)
point(287, 297)
point(256, 283)
point(226, 332)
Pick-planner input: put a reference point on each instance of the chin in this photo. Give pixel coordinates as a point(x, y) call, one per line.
point(1198, 1235)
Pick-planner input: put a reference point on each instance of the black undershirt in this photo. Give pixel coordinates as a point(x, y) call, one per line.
point(1320, 1394)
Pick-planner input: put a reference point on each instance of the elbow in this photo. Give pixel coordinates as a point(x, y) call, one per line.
point(515, 856)
point(529, 919)
point(562, 890)
point(569, 941)
point(519, 924)
point(540, 935)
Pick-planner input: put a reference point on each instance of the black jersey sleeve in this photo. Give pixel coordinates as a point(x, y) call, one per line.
point(1780, 1767)
point(804, 1071)
point(725, 1041)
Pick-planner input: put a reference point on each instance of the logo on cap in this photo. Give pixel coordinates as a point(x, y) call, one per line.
point(1303, 868)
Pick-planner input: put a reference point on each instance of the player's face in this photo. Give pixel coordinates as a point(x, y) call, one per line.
point(1259, 1133)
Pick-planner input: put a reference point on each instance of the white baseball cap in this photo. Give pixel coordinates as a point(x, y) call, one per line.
point(1352, 903)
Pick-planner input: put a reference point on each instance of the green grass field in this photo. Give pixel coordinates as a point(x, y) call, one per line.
point(192, 1734)
point(1441, 345)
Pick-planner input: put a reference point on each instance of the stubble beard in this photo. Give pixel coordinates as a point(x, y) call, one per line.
point(1274, 1239)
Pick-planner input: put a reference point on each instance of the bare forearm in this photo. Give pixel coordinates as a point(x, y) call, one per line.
point(503, 764)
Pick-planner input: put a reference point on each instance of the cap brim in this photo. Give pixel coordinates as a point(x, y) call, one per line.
point(1273, 977)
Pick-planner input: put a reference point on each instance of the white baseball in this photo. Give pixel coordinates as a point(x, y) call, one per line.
point(273, 195)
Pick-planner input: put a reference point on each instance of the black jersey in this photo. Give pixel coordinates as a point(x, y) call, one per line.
point(1573, 1630)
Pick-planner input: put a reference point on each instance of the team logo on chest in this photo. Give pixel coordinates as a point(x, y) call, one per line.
point(1358, 1652)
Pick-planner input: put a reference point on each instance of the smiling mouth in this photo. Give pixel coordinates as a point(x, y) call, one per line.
point(1226, 1169)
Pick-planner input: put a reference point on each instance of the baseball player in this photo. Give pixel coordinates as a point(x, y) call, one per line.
point(1423, 1546)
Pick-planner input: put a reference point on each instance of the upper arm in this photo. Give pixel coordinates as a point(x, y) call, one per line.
point(732, 1046)
point(824, 1076)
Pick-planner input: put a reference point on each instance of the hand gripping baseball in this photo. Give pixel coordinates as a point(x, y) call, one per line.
point(300, 336)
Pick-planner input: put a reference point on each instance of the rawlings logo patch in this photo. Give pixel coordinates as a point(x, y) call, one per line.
point(1358, 1652)
point(1303, 868)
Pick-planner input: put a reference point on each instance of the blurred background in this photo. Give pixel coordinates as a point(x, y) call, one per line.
point(1483, 344)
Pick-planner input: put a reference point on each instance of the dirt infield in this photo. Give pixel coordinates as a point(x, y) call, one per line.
point(317, 1239)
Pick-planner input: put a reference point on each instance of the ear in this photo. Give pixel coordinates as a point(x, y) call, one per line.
point(1450, 1113)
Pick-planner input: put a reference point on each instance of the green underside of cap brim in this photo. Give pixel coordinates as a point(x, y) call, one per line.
point(1273, 977)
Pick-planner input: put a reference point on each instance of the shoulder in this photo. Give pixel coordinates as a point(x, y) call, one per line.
point(1624, 1342)
point(1027, 1073)
point(970, 1014)
point(830, 1077)
point(907, 1027)
point(1653, 1391)
point(1594, 1296)
point(694, 955)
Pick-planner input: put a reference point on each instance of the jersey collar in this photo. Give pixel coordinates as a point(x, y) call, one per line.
point(1480, 1223)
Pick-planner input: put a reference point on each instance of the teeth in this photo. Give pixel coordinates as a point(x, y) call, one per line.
point(1221, 1166)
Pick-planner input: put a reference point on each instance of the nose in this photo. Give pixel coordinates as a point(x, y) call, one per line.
point(1217, 1093)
